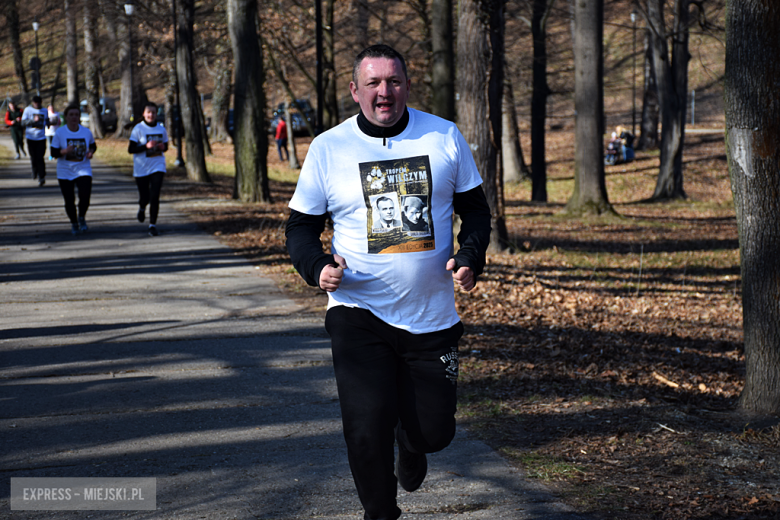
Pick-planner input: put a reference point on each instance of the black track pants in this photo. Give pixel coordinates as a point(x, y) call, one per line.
point(385, 374)
point(68, 189)
point(149, 187)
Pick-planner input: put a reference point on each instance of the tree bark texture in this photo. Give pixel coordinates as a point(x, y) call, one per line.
point(752, 102)
point(362, 17)
point(590, 192)
point(513, 164)
point(92, 69)
point(12, 19)
point(220, 102)
point(648, 133)
point(672, 80)
point(250, 140)
point(71, 58)
point(331, 102)
point(292, 152)
point(480, 84)
point(191, 114)
point(127, 65)
point(442, 60)
point(539, 93)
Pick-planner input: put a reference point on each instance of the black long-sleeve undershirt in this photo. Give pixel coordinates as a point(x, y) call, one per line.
point(303, 237)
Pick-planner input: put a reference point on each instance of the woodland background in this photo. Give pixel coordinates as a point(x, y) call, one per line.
point(603, 355)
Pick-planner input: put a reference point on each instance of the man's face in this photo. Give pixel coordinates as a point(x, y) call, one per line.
point(381, 90)
point(386, 210)
point(150, 115)
point(36, 105)
point(73, 117)
point(413, 214)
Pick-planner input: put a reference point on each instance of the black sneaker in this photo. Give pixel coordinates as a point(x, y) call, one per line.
point(141, 214)
point(153, 230)
point(41, 182)
point(83, 225)
point(410, 468)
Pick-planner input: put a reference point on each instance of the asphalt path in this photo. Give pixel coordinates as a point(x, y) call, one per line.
point(171, 357)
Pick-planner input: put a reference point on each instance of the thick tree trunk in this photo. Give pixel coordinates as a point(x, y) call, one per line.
point(442, 60)
point(513, 164)
point(127, 66)
point(753, 131)
point(191, 114)
point(249, 134)
point(362, 17)
point(590, 192)
point(331, 102)
point(71, 57)
point(648, 133)
point(672, 81)
point(539, 102)
point(12, 19)
point(480, 64)
point(92, 68)
point(220, 102)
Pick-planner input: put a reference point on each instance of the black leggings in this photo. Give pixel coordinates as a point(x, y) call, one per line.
point(149, 187)
point(37, 151)
point(386, 375)
point(68, 189)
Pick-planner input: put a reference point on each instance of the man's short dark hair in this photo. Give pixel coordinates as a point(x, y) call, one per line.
point(384, 197)
point(72, 106)
point(37, 99)
point(377, 51)
point(151, 104)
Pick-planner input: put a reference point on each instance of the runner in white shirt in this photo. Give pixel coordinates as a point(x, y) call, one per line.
point(148, 143)
point(34, 119)
point(73, 146)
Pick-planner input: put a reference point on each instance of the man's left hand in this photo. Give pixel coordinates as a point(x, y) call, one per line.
point(463, 277)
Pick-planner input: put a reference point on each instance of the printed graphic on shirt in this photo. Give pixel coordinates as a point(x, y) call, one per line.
point(398, 195)
point(79, 149)
point(158, 139)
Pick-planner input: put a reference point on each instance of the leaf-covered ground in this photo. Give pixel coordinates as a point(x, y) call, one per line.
point(604, 356)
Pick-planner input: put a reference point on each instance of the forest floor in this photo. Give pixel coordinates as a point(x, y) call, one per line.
point(604, 356)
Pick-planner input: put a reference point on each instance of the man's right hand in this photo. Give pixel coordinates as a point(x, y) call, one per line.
point(331, 275)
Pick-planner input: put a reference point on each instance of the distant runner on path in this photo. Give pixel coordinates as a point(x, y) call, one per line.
point(148, 143)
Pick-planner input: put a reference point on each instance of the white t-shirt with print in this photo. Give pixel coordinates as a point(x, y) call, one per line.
point(76, 163)
point(148, 162)
point(399, 275)
point(32, 133)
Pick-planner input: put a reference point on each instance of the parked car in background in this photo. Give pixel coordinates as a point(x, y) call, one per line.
point(107, 113)
point(304, 112)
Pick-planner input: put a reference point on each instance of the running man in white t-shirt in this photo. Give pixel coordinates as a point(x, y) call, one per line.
point(148, 143)
point(391, 306)
point(73, 146)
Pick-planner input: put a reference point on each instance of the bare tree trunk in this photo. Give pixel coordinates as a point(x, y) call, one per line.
point(512, 161)
point(191, 114)
point(249, 134)
point(220, 102)
point(92, 67)
point(672, 81)
point(442, 60)
point(127, 90)
point(362, 16)
point(480, 64)
point(331, 104)
point(292, 153)
point(539, 100)
point(753, 131)
point(590, 192)
point(12, 19)
point(648, 137)
point(70, 51)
